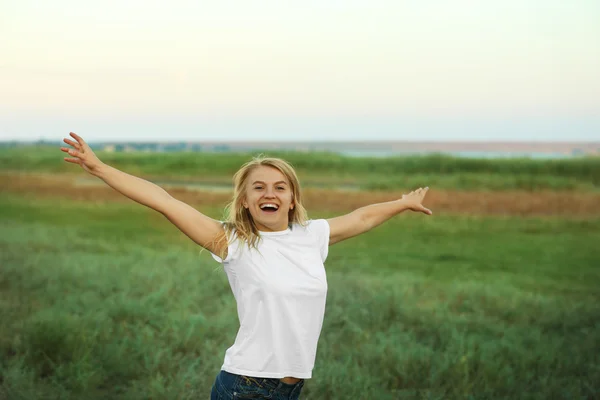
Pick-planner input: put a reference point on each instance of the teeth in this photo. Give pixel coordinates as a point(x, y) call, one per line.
point(269, 205)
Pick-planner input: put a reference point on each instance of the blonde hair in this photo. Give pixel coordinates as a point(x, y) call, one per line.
point(238, 219)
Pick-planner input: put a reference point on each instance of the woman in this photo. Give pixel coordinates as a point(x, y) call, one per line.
point(273, 257)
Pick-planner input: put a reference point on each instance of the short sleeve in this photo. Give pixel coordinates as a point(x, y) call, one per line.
point(320, 228)
point(232, 249)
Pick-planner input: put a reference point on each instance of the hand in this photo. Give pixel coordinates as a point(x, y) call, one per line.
point(414, 199)
point(84, 156)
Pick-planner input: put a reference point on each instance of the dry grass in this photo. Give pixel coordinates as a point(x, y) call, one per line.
point(440, 201)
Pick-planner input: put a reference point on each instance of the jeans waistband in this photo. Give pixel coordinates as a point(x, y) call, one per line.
point(274, 383)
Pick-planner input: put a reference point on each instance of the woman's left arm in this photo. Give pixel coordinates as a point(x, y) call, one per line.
point(368, 217)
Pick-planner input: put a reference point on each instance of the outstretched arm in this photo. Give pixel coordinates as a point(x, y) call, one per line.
point(368, 217)
point(197, 226)
point(137, 189)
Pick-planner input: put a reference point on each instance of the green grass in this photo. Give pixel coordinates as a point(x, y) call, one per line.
point(103, 301)
point(326, 169)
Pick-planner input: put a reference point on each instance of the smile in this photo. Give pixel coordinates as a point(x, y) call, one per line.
point(269, 207)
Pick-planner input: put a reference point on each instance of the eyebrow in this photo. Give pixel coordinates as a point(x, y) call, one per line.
point(276, 183)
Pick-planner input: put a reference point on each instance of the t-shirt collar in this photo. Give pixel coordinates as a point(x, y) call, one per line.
point(276, 233)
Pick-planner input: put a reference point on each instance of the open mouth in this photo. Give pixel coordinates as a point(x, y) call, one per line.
point(269, 208)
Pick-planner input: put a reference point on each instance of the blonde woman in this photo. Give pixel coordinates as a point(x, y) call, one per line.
point(273, 256)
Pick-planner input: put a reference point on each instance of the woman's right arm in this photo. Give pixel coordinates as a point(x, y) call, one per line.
point(197, 226)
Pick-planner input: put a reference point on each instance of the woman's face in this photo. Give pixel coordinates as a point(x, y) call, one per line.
point(269, 198)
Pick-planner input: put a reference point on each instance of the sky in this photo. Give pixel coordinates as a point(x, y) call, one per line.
point(312, 70)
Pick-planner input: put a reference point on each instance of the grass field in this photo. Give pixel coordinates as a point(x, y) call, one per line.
point(107, 300)
point(326, 169)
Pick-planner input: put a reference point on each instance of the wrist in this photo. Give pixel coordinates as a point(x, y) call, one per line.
point(99, 171)
point(403, 205)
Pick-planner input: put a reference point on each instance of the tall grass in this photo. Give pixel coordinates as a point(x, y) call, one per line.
point(111, 301)
point(329, 168)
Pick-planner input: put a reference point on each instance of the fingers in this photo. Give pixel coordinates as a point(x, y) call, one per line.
point(420, 191)
point(72, 143)
point(79, 146)
point(73, 160)
point(426, 211)
point(78, 138)
point(415, 199)
point(423, 192)
point(71, 152)
point(79, 153)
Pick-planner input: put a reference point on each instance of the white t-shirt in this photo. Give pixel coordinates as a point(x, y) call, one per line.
point(280, 292)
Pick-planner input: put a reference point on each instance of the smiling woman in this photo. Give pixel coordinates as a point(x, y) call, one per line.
point(270, 195)
point(274, 258)
point(267, 197)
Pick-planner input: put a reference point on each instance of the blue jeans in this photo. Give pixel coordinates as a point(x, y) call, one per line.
point(230, 386)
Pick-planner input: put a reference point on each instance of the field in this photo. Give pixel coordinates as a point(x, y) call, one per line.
point(328, 170)
point(493, 297)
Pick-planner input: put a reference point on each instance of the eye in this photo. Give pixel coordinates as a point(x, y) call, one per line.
point(280, 188)
point(258, 187)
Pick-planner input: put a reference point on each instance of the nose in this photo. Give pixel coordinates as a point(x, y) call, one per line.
point(270, 193)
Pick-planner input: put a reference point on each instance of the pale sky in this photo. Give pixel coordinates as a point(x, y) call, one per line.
point(330, 70)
